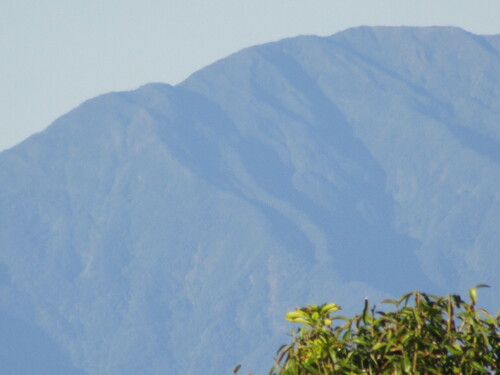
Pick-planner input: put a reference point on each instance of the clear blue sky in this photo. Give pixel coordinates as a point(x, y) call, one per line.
point(57, 53)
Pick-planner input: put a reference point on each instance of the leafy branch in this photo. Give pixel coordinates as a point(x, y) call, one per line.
point(423, 334)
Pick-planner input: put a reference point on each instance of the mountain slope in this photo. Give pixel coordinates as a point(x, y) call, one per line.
point(167, 229)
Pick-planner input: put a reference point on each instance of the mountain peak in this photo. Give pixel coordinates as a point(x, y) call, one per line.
point(153, 230)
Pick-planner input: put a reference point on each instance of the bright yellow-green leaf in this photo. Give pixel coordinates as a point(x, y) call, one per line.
point(296, 317)
point(329, 308)
point(473, 295)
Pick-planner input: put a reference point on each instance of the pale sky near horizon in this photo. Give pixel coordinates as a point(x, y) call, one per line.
point(55, 54)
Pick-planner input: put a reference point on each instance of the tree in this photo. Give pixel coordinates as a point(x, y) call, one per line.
point(417, 334)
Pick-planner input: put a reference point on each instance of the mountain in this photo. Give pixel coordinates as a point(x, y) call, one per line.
point(168, 229)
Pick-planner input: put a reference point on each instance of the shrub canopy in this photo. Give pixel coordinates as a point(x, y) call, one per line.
point(417, 334)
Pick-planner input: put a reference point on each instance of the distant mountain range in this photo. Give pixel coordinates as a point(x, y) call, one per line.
point(168, 229)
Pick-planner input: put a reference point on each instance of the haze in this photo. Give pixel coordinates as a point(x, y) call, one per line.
point(57, 54)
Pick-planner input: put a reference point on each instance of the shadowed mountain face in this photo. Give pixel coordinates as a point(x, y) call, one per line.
point(168, 229)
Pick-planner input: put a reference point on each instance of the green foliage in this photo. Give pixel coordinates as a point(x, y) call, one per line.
point(419, 334)
point(424, 335)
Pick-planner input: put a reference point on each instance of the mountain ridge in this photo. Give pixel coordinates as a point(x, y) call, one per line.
point(167, 220)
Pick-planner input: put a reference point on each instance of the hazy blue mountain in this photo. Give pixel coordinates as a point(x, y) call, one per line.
point(167, 230)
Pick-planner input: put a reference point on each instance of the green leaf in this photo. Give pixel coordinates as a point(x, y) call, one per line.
point(473, 295)
point(379, 345)
point(329, 308)
point(406, 364)
point(478, 367)
point(455, 349)
point(296, 317)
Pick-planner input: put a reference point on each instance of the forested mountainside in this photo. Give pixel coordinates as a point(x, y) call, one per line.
point(167, 230)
